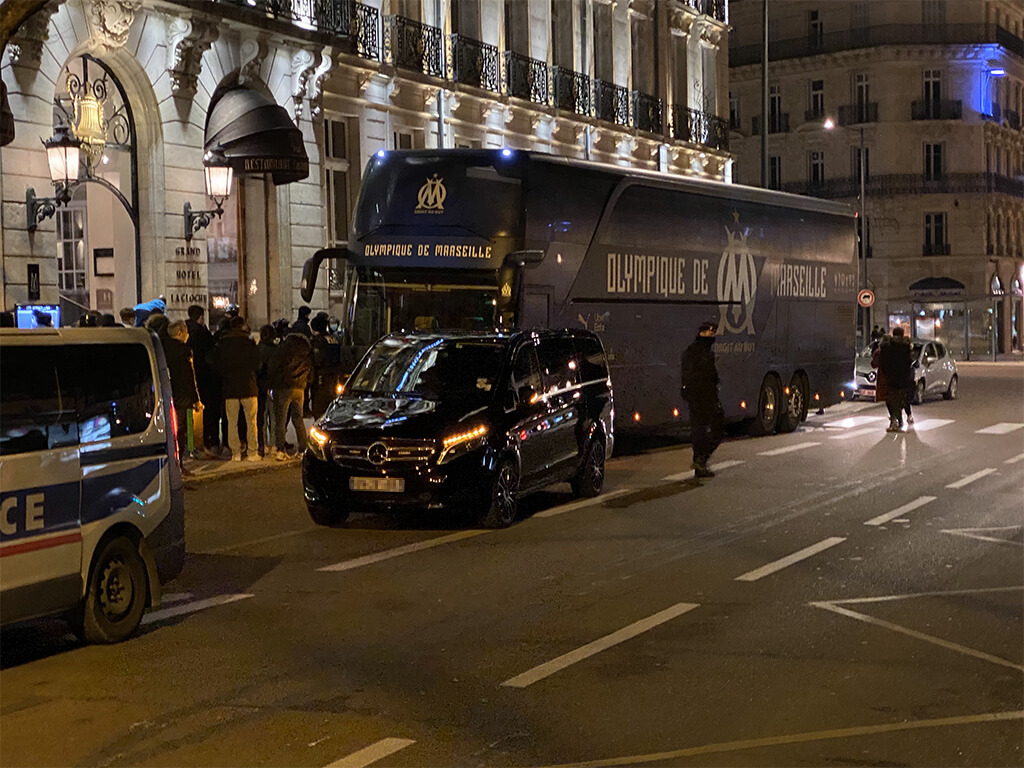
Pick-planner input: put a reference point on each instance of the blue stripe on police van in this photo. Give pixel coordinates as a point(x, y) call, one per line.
point(103, 495)
point(29, 512)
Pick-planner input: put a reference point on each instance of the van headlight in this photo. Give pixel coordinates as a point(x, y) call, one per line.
point(461, 443)
point(318, 440)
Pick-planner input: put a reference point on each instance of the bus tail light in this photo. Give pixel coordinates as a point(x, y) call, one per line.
point(174, 431)
point(743, 404)
point(636, 416)
point(786, 390)
point(675, 412)
point(817, 396)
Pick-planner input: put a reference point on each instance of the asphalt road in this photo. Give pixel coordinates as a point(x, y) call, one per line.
point(837, 596)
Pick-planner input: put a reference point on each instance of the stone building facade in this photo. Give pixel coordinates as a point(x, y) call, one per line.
point(932, 92)
point(632, 82)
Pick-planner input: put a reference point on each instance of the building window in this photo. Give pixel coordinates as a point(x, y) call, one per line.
point(403, 140)
point(604, 66)
point(734, 112)
point(815, 31)
point(856, 164)
point(859, 17)
point(562, 33)
point(864, 236)
point(932, 92)
point(337, 179)
point(933, 12)
point(861, 96)
point(775, 172)
point(774, 109)
point(466, 18)
point(816, 168)
point(71, 255)
point(817, 99)
point(935, 235)
point(932, 162)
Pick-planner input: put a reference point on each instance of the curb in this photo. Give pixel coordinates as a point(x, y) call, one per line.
point(226, 470)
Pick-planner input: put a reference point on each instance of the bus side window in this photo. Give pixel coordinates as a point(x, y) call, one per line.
point(557, 363)
point(33, 414)
point(114, 384)
point(525, 372)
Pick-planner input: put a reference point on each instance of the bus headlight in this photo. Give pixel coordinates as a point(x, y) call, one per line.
point(318, 440)
point(461, 443)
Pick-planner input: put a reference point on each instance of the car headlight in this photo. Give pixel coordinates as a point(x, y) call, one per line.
point(461, 443)
point(318, 440)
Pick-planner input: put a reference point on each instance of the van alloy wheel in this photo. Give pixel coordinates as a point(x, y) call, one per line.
point(504, 502)
point(590, 480)
point(952, 389)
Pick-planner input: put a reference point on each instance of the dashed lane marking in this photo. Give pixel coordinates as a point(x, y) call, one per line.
point(626, 633)
point(185, 608)
point(1015, 459)
point(572, 506)
point(372, 753)
point(797, 738)
point(971, 478)
point(796, 557)
point(359, 562)
point(788, 449)
point(1002, 428)
point(978, 533)
point(855, 433)
point(881, 519)
point(688, 474)
point(928, 424)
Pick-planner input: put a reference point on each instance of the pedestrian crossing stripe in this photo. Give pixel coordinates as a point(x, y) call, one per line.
point(1002, 428)
point(923, 425)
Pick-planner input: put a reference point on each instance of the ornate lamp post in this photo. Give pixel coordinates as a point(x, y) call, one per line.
point(219, 177)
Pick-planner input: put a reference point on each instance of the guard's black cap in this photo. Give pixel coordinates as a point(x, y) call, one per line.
point(708, 326)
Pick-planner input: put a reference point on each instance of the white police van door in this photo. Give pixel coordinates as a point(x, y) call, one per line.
point(40, 482)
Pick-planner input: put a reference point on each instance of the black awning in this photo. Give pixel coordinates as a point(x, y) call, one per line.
point(6, 117)
point(256, 135)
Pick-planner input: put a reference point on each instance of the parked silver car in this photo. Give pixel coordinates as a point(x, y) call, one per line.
point(934, 372)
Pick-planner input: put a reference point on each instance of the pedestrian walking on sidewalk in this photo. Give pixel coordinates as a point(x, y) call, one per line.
point(236, 359)
point(699, 387)
point(291, 369)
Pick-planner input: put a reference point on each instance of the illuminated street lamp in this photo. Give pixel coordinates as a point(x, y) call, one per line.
point(219, 176)
point(62, 156)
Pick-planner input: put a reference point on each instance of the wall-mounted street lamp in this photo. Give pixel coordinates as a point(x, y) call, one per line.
point(62, 156)
point(219, 175)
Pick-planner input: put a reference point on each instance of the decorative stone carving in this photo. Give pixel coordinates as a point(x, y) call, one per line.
point(187, 41)
point(112, 20)
point(680, 21)
point(641, 9)
point(709, 34)
point(314, 89)
point(429, 96)
point(304, 64)
point(499, 110)
point(363, 82)
point(252, 53)
point(26, 45)
point(626, 144)
point(453, 99)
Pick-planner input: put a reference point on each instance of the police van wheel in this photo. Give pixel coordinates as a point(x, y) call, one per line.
point(796, 405)
point(769, 401)
point(503, 505)
point(326, 514)
point(590, 479)
point(116, 595)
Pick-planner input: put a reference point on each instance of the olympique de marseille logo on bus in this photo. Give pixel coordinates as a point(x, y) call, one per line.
point(431, 196)
point(737, 284)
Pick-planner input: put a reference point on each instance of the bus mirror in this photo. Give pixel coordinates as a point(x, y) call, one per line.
point(525, 258)
point(311, 269)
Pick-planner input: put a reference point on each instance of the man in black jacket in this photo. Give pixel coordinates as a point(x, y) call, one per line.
point(236, 360)
point(201, 341)
point(700, 390)
point(894, 361)
point(289, 373)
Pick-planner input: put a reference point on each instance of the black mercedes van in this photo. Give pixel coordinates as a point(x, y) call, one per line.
point(450, 419)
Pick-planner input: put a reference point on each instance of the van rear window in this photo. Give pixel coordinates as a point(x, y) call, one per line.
point(31, 416)
point(113, 384)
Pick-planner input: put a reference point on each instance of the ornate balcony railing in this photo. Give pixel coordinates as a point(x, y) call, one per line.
point(611, 103)
point(713, 8)
point(1012, 118)
point(365, 26)
point(572, 90)
point(526, 78)
point(648, 114)
point(700, 127)
point(911, 184)
point(881, 34)
point(861, 112)
point(936, 109)
point(475, 63)
point(411, 45)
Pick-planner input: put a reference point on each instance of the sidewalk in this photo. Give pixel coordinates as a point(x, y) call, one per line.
point(202, 470)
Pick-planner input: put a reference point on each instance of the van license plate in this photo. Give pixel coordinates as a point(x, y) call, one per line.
point(378, 484)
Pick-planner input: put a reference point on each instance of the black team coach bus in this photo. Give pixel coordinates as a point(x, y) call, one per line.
point(477, 239)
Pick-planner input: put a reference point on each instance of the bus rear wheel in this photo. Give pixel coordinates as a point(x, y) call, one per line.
point(116, 596)
point(796, 404)
point(769, 400)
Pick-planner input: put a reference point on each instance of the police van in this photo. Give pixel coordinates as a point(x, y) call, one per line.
point(92, 514)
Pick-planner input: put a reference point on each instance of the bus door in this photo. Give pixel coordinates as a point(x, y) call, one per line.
point(40, 478)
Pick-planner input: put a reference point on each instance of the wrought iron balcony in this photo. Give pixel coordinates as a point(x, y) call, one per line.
point(859, 112)
point(647, 113)
point(475, 63)
point(713, 8)
point(911, 184)
point(526, 78)
point(700, 127)
point(936, 249)
point(411, 45)
point(572, 90)
point(365, 35)
point(1011, 118)
point(611, 102)
point(936, 109)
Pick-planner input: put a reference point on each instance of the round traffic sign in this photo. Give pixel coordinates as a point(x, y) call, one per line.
point(866, 298)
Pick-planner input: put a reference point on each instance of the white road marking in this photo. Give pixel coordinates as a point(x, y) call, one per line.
point(555, 665)
point(1015, 459)
point(855, 421)
point(796, 557)
point(1002, 428)
point(254, 542)
point(675, 755)
point(900, 510)
point(971, 478)
point(186, 608)
point(572, 506)
point(788, 449)
point(175, 597)
point(973, 533)
point(928, 424)
point(372, 753)
point(856, 433)
point(688, 474)
point(359, 562)
point(828, 606)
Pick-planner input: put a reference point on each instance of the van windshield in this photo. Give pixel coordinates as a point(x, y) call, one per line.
point(431, 368)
